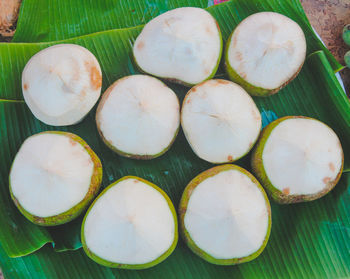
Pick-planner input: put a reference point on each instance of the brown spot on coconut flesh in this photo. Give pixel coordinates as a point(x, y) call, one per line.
point(255, 115)
point(286, 191)
point(140, 45)
point(188, 101)
point(136, 181)
point(229, 158)
point(194, 89)
point(234, 41)
point(222, 81)
point(25, 86)
point(331, 166)
point(95, 76)
point(208, 30)
point(72, 142)
point(326, 180)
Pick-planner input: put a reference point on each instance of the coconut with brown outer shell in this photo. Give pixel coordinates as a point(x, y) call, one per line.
point(265, 52)
point(297, 159)
point(54, 177)
point(225, 216)
point(183, 45)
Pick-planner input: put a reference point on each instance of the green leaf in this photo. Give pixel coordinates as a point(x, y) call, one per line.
point(74, 18)
point(315, 86)
point(308, 240)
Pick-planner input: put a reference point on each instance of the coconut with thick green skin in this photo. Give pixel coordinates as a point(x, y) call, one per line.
point(225, 216)
point(183, 45)
point(346, 34)
point(132, 224)
point(54, 177)
point(297, 159)
point(138, 117)
point(61, 84)
point(220, 121)
point(265, 52)
point(347, 59)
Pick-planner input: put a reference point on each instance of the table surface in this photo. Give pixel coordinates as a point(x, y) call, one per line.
point(328, 17)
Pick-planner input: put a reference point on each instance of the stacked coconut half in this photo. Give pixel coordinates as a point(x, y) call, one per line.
point(225, 215)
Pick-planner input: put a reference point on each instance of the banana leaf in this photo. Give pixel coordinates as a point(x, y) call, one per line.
point(298, 231)
point(308, 240)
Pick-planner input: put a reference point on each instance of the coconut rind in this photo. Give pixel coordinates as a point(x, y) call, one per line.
point(112, 147)
point(104, 262)
point(75, 211)
point(259, 170)
point(177, 81)
point(183, 208)
point(251, 89)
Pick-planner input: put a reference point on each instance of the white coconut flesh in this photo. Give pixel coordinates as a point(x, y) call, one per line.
point(139, 115)
point(301, 156)
point(131, 223)
point(220, 120)
point(267, 49)
point(50, 174)
point(227, 215)
point(61, 84)
point(182, 44)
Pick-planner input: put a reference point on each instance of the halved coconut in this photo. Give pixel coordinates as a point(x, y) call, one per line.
point(225, 215)
point(220, 120)
point(61, 84)
point(132, 224)
point(182, 45)
point(138, 117)
point(298, 159)
point(54, 177)
point(265, 52)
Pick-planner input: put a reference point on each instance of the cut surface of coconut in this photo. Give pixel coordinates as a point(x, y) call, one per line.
point(183, 44)
point(225, 215)
point(132, 224)
point(52, 173)
point(301, 156)
point(61, 84)
point(138, 116)
point(220, 120)
point(265, 51)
